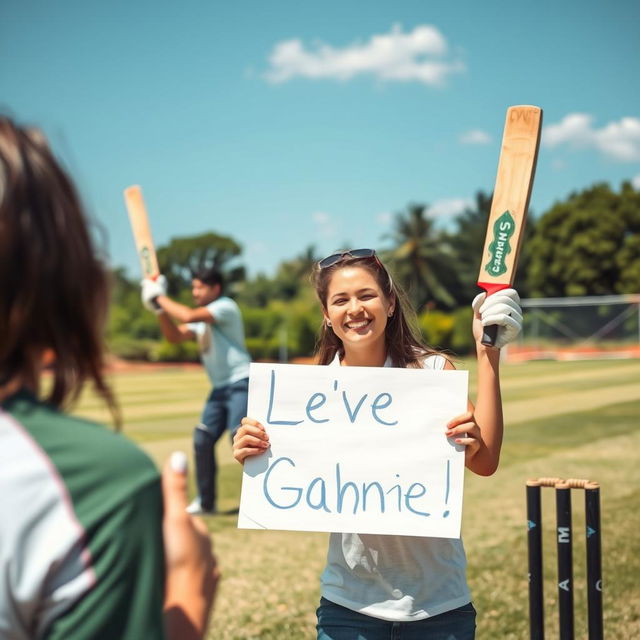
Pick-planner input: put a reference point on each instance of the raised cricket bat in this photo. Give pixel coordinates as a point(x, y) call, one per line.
point(505, 228)
point(141, 231)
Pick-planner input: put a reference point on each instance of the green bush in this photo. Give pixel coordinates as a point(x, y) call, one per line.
point(302, 332)
point(265, 348)
point(437, 328)
point(448, 330)
point(261, 322)
point(129, 348)
point(462, 342)
point(165, 351)
point(269, 329)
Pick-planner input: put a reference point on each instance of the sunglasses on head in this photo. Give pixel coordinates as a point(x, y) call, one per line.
point(353, 253)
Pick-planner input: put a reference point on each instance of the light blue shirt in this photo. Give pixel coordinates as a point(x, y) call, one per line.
point(221, 344)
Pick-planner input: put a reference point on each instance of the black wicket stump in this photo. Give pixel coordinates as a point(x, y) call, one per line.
point(565, 557)
point(594, 560)
point(565, 560)
point(534, 537)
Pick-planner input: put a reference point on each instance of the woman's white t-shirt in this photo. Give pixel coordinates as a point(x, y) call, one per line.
point(396, 578)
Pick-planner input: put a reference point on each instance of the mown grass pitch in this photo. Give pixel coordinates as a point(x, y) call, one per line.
point(571, 419)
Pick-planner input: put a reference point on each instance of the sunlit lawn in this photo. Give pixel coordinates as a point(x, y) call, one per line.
point(574, 419)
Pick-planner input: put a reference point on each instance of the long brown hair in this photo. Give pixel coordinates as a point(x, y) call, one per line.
point(53, 287)
point(402, 337)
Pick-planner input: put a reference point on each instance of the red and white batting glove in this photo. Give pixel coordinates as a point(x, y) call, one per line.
point(502, 308)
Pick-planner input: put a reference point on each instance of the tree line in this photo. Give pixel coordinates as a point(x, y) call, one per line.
point(588, 244)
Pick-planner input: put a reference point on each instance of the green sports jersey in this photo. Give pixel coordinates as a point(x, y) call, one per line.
point(81, 554)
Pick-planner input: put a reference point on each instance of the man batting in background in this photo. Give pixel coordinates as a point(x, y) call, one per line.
point(216, 324)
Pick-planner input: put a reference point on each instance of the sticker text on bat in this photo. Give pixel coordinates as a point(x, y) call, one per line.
point(500, 247)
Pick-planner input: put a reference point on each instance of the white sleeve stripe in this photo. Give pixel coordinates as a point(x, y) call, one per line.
point(47, 565)
point(64, 493)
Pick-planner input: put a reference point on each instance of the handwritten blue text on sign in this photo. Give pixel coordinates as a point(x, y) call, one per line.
point(355, 449)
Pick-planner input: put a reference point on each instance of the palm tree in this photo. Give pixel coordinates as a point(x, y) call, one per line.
point(184, 256)
point(421, 259)
point(292, 275)
point(467, 242)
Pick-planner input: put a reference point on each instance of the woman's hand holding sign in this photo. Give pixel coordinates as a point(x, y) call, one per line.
point(251, 439)
point(465, 431)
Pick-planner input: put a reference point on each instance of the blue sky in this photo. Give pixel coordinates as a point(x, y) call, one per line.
point(285, 124)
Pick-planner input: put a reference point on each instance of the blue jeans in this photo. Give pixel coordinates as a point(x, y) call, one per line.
point(224, 409)
point(339, 623)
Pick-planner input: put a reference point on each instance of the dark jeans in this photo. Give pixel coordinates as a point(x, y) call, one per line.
point(339, 623)
point(224, 409)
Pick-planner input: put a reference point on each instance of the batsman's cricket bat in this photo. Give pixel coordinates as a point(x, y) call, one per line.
point(141, 231)
point(505, 228)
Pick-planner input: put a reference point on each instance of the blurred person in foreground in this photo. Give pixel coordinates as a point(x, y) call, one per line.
point(81, 508)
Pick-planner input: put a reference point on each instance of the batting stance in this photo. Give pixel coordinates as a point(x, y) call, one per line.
point(216, 324)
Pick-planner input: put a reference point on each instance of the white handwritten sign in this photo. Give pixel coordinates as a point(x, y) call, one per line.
point(355, 449)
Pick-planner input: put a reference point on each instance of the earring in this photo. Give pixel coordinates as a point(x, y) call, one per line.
point(390, 314)
point(328, 323)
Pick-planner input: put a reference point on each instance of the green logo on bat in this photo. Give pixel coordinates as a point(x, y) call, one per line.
point(503, 228)
point(145, 256)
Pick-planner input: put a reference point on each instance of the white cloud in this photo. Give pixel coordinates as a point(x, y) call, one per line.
point(448, 208)
point(325, 225)
point(475, 136)
point(320, 217)
point(574, 129)
point(621, 140)
point(384, 218)
point(258, 248)
point(618, 141)
point(635, 181)
point(417, 56)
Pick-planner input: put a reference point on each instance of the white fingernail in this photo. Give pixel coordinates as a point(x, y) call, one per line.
point(179, 462)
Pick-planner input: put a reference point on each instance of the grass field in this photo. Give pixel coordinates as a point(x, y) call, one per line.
point(569, 419)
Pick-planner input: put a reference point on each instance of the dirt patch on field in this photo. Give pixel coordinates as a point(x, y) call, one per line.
point(517, 353)
point(117, 365)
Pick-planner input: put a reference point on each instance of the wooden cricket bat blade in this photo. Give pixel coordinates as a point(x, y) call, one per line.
point(141, 231)
point(507, 219)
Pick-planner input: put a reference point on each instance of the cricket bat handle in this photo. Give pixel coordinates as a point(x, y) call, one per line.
point(490, 331)
point(489, 335)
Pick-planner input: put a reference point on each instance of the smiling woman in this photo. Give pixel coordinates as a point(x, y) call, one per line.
point(373, 583)
point(359, 300)
point(357, 311)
